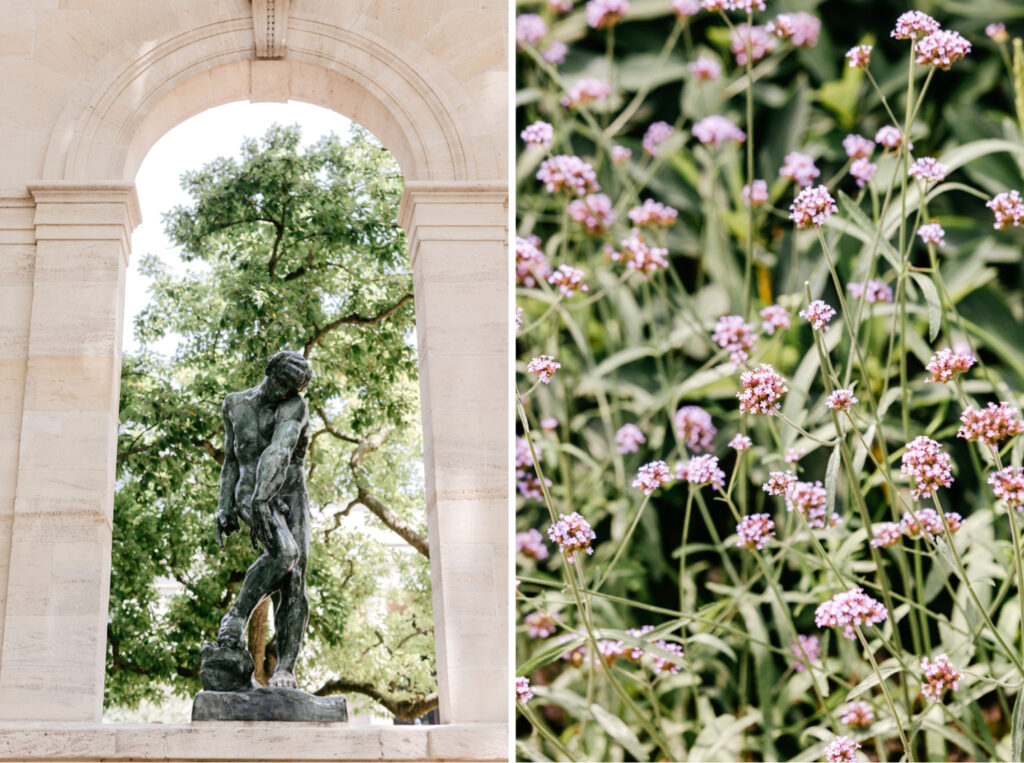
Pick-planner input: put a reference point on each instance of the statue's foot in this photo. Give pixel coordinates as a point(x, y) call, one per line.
point(283, 679)
point(231, 629)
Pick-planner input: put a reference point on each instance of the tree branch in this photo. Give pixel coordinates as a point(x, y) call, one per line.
point(353, 319)
point(333, 430)
point(215, 453)
point(404, 709)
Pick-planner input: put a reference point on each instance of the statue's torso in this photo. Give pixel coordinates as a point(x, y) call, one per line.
point(253, 426)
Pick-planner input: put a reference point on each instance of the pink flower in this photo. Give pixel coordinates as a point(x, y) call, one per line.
point(747, 6)
point(927, 465)
point(717, 130)
point(620, 154)
point(531, 544)
point(593, 211)
point(656, 134)
point(774, 317)
point(705, 68)
point(942, 49)
point(694, 427)
point(568, 173)
point(794, 454)
point(759, 195)
point(652, 476)
point(889, 136)
point(685, 8)
point(629, 438)
point(992, 425)
point(841, 400)
point(871, 292)
point(639, 256)
point(734, 334)
point(762, 390)
point(572, 533)
point(860, 56)
point(531, 264)
point(848, 610)
point(549, 423)
point(812, 207)
point(540, 625)
point(858, 147)
point(800, 168)
point(947, 364)
point(653, 212)
point(914, 24)
point(1008, 484)
point(518, 317)
point(928, 169)
point(997, 32)
point(939, 676)
point(818, 314)
point(544, 366)
point(523, 691)
point(560, 6)
point(841, 750)
point(754, 530)
point(530, 29)
point(740, 442)
point(761, 43)
point(928, 523)
point(863, 170)
point(932, 233)
point(538, 134)
point(858, 714)
point(810, 499)
point(1008, 208)
point(779, 483)
point(805, 645)
point(555, 52)
point(568, 279)
point(700, 471)
point(887, 534)
point(634, 653)
point(663, 664)
point(586, 90)
point(604, 14)
point(801, 28)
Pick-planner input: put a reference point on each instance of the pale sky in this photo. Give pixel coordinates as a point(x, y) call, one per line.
point(190, 145)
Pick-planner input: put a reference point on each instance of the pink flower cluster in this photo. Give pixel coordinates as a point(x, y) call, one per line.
point(685, 8)
point(639, 256)
point(653, 212)
point(740, 442)
point(889, 136)
point(992, 425)
point(762, 390)
point(793, 455)
point(694, 427)
point(858, 714)
point(572, 533)
point(758, 196)
point(942, 49)
point(662, 664)
point(929, 169)
point(913, 24)
point(858, 147)
point(848, 610)
point(841, 750)
point(603, 14)
point(779, 483)
point(705, 68)
point(859, 56)
point(523, 691)
point(531, 264)
point(620, 154)
point(586, 90)
point(887, 534)
point(871, 292)
point(568, 173)
point(716, 130)
point(799, 168)
point(805, 645)
point(1008, 208)
point(531, 544)
point(1008, 484)
point(652, 476)
point(655, 135)
point(929, 467)
point(756, 37)
point(818, 314)
point(540, 625)
point(538, 134)
point(812, 207)
point(946, 364)
point(700, 471)
point(754, 530)
point(932, 233)
point(774, 317)
point(939, 676)
point(997, 32)
point(544, 366)
point(928, 523)
point(530, 29)
point(810, 499)
point(802, 29)
point(593, 211)
point(841, 400)
point(568, 279)
point(862, 171)
point(629, 438)
point(734, 334)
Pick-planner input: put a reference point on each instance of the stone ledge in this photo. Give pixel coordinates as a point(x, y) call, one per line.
point(247, 740)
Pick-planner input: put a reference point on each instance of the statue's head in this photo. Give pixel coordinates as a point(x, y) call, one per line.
point(288, 374)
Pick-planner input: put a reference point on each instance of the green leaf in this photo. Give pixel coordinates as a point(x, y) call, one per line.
point(931, 297)
point(549, 654)
point(1018, 723)
point(619, 731)
point(832, 480)
point(861, 226)
point(871, 681)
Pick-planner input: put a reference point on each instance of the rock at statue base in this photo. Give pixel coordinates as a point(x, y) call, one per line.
point(226, 668)
point(268, 704)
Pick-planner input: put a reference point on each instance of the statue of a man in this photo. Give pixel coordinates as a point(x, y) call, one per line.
point(266, 434)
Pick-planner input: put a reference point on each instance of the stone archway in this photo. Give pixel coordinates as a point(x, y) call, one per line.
point(437, 98)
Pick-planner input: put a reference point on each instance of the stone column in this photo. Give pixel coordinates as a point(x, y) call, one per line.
point(458, 236)
point(54, 644)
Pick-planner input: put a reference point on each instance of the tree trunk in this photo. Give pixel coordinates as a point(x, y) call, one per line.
point(258, 641)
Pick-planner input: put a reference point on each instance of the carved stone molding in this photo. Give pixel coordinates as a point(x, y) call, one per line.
point(270, 27)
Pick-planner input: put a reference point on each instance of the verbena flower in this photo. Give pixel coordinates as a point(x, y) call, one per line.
point(705, 68)
point(586, 90)
point(540, 625)
point(639, 256)
point(747, 6)
point(992, 425)
point(694, 427)
point(1008, 484)
point(655, 135)
point(700, 471)
point(652, 476)
point(754, 530)
point(634, 653)
point(530, 29)
point(740, 442)
point(523, 691)
point(859, 56)
point(932, 233)
point(871, 292)
point(850, 609)
point(538, 134)
point(793, 455)
point(572, 533)
point(555, 52)
point(862, 171)
point(802, 29)
point(593, 211)
point(939, 676)
point(997, 32)
point(929, 169)
point(518, 317)
point(758, 196)
point(945, 365)
point(603, 14)
point(560, 6)
point(531, 263)
point(913, 24)
point(568, 173)
point(653, 212)
point(841, 400)
point(685, 8)
point(544, 366)
point(774, 317)
point(734, 334)
point(929, 467)
point(779, 483)
point(818, 314)
point(812, 207)
point(548, 423)
point(889, 136)
point(568, 279)
point(620, 154)
point(757, 37)
point(841, 750)
point(531, 544)
point(857, 714)
point(810, 499)
point(858, 147)
point(1008, 208)
point(928, 523)
point(942, 49)
point(716, 129)
point(805, 645)
point(629, 438)
point(762, 390)
point(887, 534)
point(663, 664)
point(799, 168)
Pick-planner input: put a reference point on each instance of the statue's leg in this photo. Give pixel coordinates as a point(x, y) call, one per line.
point(292, 612)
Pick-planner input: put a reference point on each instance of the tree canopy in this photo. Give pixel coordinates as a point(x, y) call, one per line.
point(286, 247)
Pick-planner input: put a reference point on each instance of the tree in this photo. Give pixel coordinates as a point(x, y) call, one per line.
point(287, 248)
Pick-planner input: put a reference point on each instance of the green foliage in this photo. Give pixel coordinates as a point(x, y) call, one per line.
point(287, 248)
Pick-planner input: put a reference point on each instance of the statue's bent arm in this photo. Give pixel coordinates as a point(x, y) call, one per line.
point(273, 463)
